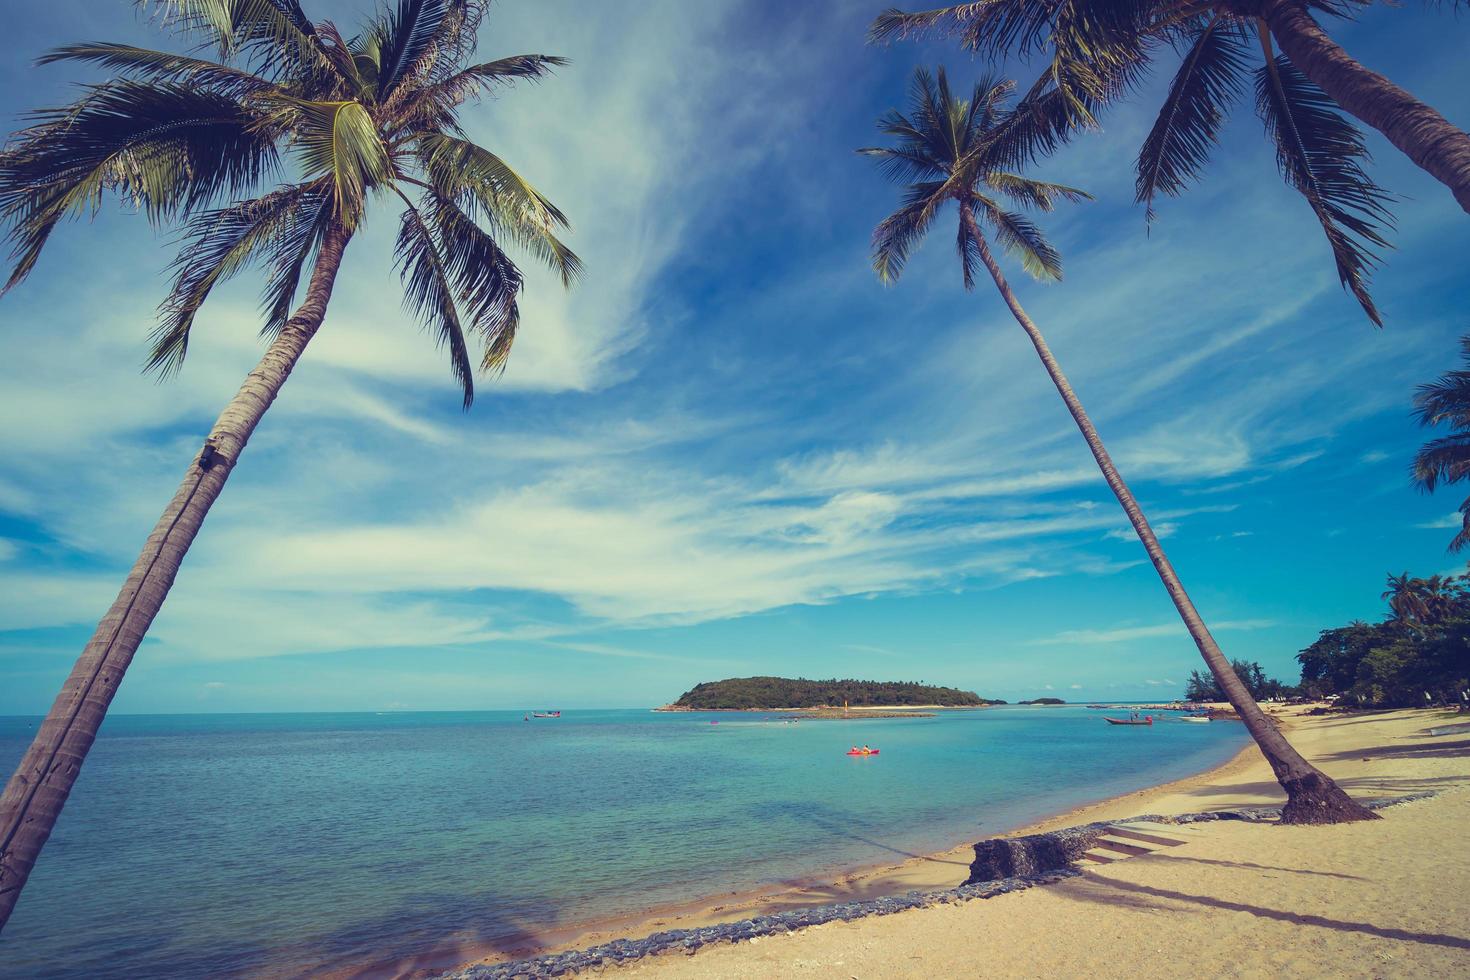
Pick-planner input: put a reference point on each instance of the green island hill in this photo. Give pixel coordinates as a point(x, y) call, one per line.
point(1043, 701)
point(784, 693)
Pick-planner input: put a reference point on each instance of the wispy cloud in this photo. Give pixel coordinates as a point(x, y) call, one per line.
point(1128, 634)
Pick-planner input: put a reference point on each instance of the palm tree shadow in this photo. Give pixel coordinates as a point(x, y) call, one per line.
point(1262, 867)
point(1413, 750)
point(1103, 891)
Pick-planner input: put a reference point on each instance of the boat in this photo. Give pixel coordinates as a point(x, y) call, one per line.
point(546, 714)
point(1195, 718)
point(1149, 720)
point(862, 752)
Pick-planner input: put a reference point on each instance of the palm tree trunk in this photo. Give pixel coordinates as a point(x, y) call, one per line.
point(1311, 796)
point(36, 793)
point(1424, 135)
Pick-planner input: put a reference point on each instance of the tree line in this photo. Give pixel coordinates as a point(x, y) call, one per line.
point(757, 693)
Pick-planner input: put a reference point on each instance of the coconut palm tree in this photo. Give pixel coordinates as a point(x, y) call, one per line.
point(1446, 459)
point(1100, 50)
point(1406, 597)
point(195, 140)
point(965, 152)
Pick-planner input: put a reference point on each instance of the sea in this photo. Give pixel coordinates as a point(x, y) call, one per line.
point(284, 845)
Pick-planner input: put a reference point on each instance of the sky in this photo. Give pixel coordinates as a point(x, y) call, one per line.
point(730, 450)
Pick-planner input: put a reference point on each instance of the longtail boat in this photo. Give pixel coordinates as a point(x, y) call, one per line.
point(1130, 721)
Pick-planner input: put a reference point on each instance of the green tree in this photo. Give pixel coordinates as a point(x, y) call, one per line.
point(1446, 459)
point(1202, 686)
point(965, 152)
point(187, 138)
point(1098, 51)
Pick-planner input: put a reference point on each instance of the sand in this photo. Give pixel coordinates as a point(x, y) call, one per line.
point(1387, 898)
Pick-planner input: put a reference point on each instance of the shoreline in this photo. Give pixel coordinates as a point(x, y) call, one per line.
point(934, 870)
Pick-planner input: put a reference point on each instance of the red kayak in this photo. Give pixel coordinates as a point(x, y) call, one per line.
point(861, 752)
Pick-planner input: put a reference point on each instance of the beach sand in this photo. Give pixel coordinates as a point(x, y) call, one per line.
point(1385, 898)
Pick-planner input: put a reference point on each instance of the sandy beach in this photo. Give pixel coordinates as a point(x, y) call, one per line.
point(1384, 898)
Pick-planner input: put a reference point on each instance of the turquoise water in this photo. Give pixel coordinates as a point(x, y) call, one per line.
point(278, 845)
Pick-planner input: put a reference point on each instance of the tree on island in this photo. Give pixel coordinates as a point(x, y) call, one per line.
point(782, 692)
point(368, 117)
point(966, 152)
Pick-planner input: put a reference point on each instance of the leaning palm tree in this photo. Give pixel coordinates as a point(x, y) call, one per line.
point(199, 141)
point(1099, 50)
point(966, 152)
point(1446, 459)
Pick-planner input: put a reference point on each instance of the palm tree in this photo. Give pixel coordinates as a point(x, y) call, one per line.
point(966, 151)
point(1446, 459)
point(186, 138)
point(1406, 597)
point(1100, 49)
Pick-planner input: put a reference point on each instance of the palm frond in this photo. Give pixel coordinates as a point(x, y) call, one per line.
point(165, 148)
point(276, 35)
point(409, 36)
point(1033, 193)
point(431, 107)
point(1189, 121)
point(487, 281)
point(340, 140)
point(1442, 460)
point(289, 253)
point(217, 245)
point(1446, 400)
point(159, 66)
point(1318, 152)
point(471, 175)
point(428, 291)
point(1019, 236)
point(997, 25)
point(898, 234)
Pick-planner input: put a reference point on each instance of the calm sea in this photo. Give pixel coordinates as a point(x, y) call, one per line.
point(281, 845)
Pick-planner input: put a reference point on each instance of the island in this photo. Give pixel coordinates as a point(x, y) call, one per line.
point(787, 694)
point(1043, 701)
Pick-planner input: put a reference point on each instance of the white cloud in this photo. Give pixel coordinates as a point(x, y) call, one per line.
point(1454, 519)
point(1128, 634)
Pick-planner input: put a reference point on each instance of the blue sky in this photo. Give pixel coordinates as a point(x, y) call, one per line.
point(730, 451)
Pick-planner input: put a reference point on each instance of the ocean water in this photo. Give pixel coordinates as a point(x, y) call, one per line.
point(296, 844)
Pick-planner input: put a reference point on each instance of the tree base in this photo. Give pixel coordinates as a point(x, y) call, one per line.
point(1315, 799)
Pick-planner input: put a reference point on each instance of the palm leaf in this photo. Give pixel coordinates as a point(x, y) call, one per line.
point(428, 291)
point(1318, 152)
point(159, 66)
point(408, 37)
point(218, 244)
point(1033, 193)
point(999, 25)
point(340, 140)
point(289, 253)
point(471, 175)
point(1189, 121)
point(1020, 237)
point(167, 149)
point(487, 281)
point(431, 107)
point(898, 234)
point(276, 34)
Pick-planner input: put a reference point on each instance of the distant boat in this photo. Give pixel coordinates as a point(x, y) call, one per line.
point(1195, 718)
point(1130, 721)
point(546, 714)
